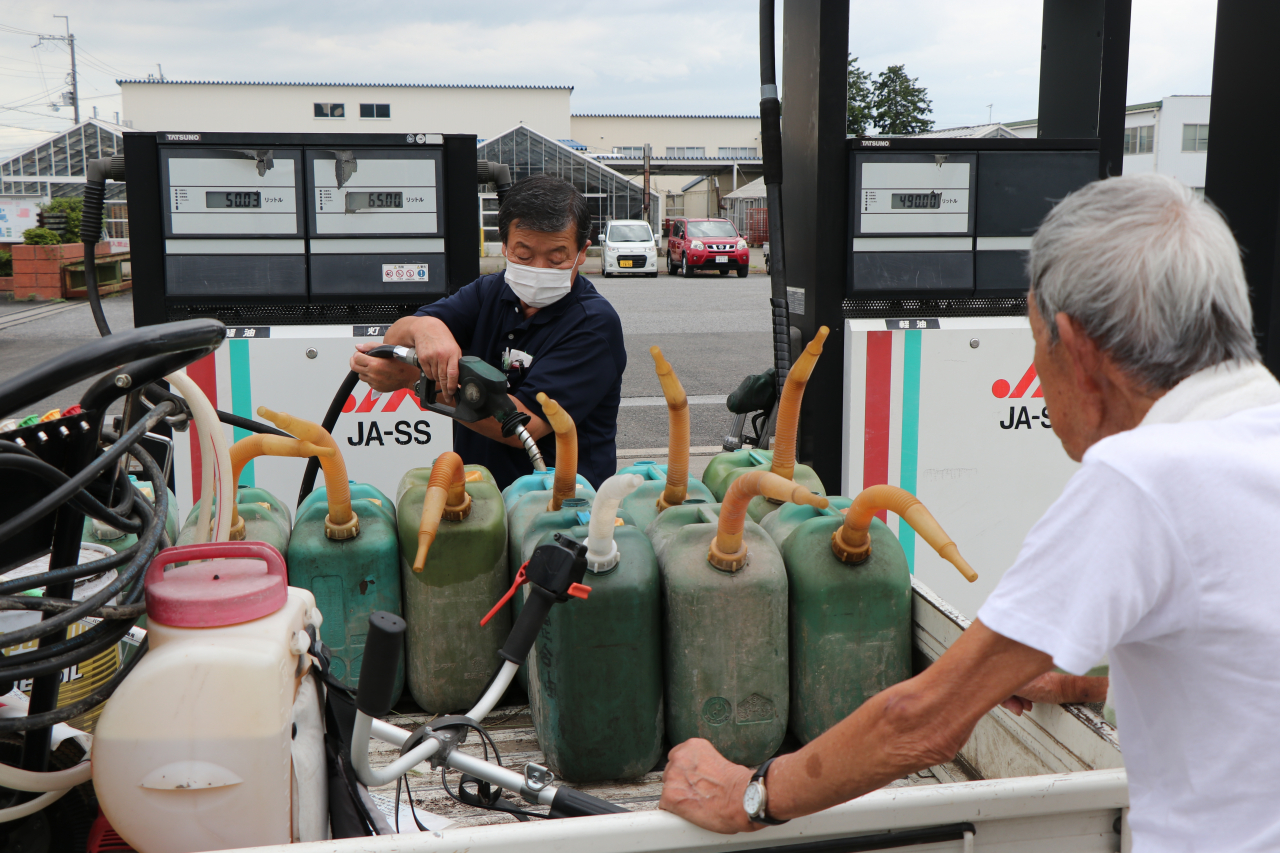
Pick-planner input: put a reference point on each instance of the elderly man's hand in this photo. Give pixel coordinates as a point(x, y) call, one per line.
point(705, 788)
point(1057, 688)
point(438, 353)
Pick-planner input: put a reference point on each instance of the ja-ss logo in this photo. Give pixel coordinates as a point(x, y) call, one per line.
point(1020, 416)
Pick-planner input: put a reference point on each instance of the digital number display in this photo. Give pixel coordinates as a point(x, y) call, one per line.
point(374, 201)
point(915, 201)
point(222, 200)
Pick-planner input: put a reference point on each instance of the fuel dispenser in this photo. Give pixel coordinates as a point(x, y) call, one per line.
point(941, 398)
point(304, 245)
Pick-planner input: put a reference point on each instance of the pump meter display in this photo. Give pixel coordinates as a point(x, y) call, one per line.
point(220, 193)
point(914, 194)
point(367, 193)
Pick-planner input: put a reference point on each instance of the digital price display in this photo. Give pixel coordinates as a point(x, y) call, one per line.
point(222, 200)
point(915, 201)
point(374, 200)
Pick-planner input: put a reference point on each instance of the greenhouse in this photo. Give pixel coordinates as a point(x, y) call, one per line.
point(609, 194)
point(55, 167)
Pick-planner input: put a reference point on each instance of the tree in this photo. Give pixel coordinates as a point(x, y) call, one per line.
point(900, 106)
point(859, 109)
point(73, 208)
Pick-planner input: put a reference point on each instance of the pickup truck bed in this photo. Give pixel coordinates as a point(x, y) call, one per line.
point(1050, 780)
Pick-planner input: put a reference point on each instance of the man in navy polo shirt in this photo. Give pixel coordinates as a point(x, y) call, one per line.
point(539, 321)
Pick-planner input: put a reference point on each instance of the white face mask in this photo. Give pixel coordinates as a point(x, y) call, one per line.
point(539, 287)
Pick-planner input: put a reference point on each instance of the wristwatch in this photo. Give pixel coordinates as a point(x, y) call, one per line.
point(756, 799)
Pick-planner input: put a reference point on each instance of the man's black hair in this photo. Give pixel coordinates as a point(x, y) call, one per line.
point(545, 203)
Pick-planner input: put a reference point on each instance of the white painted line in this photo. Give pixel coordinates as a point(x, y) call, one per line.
point(700, 400)
point(20, 317)
point(661, 452)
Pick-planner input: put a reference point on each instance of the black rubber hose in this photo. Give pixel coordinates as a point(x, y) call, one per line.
point(68, 712)
point(95, 190)
point(771, 152)
point(90, 230)
point(82, 500)
point(246, 424)
point(88, 474)
point(330, 421)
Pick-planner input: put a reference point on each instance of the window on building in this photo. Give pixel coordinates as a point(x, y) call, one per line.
point(686, 152)
point(739, 152)
point(1195, 137)
point(375, 111)
point(1139, 140)
point(629, 150)
point(331, 111)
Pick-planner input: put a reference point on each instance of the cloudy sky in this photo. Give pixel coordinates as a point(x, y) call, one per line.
point(662, 57)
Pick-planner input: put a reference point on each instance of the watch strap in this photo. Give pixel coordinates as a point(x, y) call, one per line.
point(758, 776)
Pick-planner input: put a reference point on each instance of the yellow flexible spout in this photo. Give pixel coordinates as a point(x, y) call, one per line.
point(678, 435)
point(446, 497)
point(342, 523)
point(254, 446)
point(788, 421)
point(727, 550)
point(851, 542)
point(565, 484)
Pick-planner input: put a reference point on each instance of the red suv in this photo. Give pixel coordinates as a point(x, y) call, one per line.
point(695, 244)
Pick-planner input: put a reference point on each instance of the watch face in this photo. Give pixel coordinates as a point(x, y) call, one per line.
point(751, 799)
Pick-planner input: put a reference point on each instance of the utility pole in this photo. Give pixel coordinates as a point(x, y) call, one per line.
point(70, 41)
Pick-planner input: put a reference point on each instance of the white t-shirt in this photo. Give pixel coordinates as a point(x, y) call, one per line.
point(1164, 551)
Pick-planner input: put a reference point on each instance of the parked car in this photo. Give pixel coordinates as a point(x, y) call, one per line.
point(628, 246)
point(696, 244)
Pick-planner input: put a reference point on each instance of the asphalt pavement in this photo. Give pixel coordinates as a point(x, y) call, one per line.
point(714, 330)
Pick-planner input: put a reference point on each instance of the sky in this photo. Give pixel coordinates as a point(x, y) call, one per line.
point(663, 57)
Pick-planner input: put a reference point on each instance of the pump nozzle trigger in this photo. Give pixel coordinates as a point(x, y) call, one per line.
point(520, 580)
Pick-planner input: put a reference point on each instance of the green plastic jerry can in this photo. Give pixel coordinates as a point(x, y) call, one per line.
point(642, 504)
point(724, 637)
point(266, 519)
point(118, 540)
point(647, 468)
point(350, 578)
point(850, 623)
point(450, 656)
point(595, 672)
point(783, 522)
point(420, 477)
point(726, 467)
point(526, 501)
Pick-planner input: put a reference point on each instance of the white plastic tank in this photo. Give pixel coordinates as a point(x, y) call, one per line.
point(193, 752)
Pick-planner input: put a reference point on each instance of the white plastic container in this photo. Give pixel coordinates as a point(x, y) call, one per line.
point(193, 750)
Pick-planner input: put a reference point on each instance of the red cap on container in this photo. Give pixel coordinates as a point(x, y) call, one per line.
point(246, 581)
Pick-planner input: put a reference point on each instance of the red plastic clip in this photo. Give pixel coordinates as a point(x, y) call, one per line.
point(502, 602)
point(577, 590)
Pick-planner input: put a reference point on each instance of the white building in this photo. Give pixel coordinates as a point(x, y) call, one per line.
point(181, 105)
point(1169, 137)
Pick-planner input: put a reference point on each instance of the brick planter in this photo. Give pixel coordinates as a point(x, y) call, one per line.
point(37, 270)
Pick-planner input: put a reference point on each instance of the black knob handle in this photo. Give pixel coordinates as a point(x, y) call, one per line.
point(380, 662)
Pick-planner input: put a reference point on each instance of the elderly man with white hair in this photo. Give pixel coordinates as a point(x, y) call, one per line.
point(1161, 551)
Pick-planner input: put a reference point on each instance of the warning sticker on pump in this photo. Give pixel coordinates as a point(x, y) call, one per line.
point(400, 272)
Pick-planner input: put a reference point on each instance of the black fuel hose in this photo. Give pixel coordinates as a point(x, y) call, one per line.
point(771, 154)
point(95, 191)
point(330, 421)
